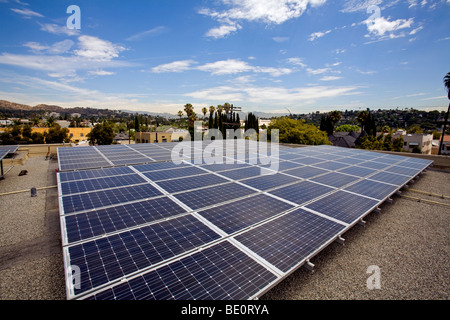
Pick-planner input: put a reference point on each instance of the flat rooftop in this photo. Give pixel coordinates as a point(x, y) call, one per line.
point(408, 240)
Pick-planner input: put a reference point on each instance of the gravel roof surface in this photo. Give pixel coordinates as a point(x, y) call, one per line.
point(408, 241)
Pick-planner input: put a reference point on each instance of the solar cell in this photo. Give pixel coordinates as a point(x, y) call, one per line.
point(189, 183)
point(79, 175)
point(111, 258)
point(343, 206)
point(288, 240)
point(202, 198)
point(244, 213)
point(331, 165)
point(334, 179)
point(372, 189)
point(301, 192)
point(220, 272)
point(305, 172)
point(174, 173)
point(308, 160)
point(357, 171)
point(390, 177)
point(269, 181)
point(402, 170)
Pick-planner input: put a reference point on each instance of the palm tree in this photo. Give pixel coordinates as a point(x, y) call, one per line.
point(227, 107)
point(204, 111)
point(219, 109)
point(50, 121)
point(180, 114)
point(447, 86)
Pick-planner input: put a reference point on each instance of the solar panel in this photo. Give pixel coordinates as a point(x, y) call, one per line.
point(158, 230)
point(189, 183)
point(372, 189)
point(241, 214)
point(269, 181)
point(206, 197)
point(288, 240)
point(343, 206)
point(301, 192)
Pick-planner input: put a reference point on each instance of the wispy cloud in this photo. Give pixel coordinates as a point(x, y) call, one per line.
point(382, 28)
point(359, 5)
point(330, 78)
point(58, 29)
point(280, 39)
point(149, 33)
point(27, 13)
point(176, 66)
point(221, 67)
point(317, 35)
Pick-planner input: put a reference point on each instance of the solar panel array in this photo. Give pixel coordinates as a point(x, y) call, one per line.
point(212, 231)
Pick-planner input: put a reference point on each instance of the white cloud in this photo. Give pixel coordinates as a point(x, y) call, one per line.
point(59, 30)
point(330, 78)
point(280, 39)
point(266, 11)
point(94, 48)
point(317, 35)
point(101, 73)
point(383, 28)
point(145, 34)
point(317, 71)
point(416, 30)
point(359, 5)
point(27, 13)
point(230, 66)
point(222, 31)
point(297, 62)
point(176, 66)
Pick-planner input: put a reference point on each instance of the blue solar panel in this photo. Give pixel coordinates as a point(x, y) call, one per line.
point(305, 172)
point(372, 189)
point(197, 199)
point(291, 238)
point(358, 171)
point(390, 177)
point(374, 165)
point(331, 165)
point(344, 206)
point(220, 272)
point(90, 224)
point(189, 183)
point(108, 259)
point(159, 166)
point(286, 165)
point(100, 183)
point(308, 160)
point(80, 175)
point(266, 182)
point(244, 213)
point(402, 170)
point(98, 199)
point(301, 192)
point(242, 173)
point(334, 179)
point(174, 173)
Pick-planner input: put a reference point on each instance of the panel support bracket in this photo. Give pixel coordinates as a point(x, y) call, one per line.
point(340, 240)
point(361, 222)
point(309, 266)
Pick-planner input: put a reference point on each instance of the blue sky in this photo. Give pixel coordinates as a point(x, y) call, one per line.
point(261, 55)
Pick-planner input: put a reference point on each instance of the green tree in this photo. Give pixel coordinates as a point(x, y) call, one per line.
point(397, 144)
point(56, 134)
point(347, 128)
point(101, 134)
point(415, 128)
point(204, 111)
point(297, 131)
point(50, 122)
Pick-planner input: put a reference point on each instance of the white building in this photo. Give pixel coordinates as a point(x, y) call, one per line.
point(422, 141)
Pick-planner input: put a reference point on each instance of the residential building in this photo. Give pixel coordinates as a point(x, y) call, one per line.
point(445, 145)
point(75, 134)
point(414, 141)
point(152, 137)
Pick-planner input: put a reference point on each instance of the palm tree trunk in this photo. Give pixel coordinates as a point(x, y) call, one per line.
point(443, 130)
